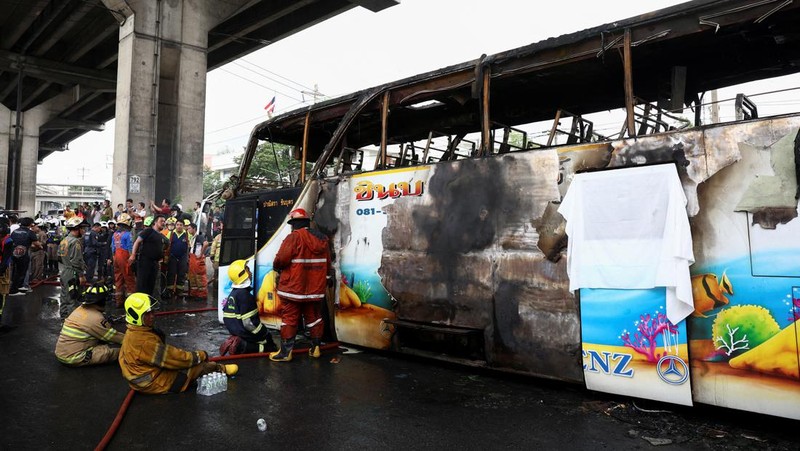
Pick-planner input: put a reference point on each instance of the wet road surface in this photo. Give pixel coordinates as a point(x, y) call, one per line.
point(345, 400)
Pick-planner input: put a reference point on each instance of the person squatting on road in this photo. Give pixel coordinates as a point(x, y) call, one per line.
point(86, 332)
point(149, 249)
point(304, 263)
point(152, 366)
point(71, 264)
point(240, 315)
point(121, 247)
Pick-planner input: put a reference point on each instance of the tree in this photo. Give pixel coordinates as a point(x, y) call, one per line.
point(265, 164)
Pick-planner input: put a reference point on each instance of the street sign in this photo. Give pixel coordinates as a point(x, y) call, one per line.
point(134, 185)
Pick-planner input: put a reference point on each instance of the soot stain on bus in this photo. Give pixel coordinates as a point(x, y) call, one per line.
point(325, 215)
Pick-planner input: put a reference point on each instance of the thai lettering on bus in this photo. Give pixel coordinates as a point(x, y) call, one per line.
point(367, 190)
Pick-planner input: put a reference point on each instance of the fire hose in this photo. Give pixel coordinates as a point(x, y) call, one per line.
point(127, 402)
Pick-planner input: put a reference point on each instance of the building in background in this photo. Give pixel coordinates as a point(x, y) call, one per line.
point(51, 199)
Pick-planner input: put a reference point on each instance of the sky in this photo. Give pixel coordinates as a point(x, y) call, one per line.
point(353, 51)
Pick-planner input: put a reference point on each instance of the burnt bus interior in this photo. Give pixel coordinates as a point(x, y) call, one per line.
point(656, 68)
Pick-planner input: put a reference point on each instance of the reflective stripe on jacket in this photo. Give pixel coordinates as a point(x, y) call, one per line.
point(85, 328)
point(303, 261)
point(149, 364)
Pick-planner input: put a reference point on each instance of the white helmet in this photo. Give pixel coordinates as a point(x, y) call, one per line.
point(75, 222)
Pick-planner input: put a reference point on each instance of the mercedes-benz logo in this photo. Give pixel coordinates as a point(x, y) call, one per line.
point(672, 370)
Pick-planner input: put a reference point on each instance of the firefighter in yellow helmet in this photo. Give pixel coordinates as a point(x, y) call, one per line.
point(86, 332)
point(240, 314)
point(152, 366)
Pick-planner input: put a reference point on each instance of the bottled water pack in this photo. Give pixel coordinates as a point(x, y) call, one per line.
point(212, 383)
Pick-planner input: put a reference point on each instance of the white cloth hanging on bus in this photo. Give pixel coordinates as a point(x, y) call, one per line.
point(628, 229)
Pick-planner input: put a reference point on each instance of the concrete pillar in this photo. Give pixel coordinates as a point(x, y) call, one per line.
point(6, 136)
point(31, 121)
point(135, 131)
point(161, 91)
point(29, 159)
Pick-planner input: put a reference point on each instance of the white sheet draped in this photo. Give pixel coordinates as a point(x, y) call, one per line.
point(628, 229)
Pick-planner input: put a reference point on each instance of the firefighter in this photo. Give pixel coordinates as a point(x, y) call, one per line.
point(304, 263)
point(121, 247)
point(152, 366)
point(240, 314)
point(71, 264)
point(86, 332)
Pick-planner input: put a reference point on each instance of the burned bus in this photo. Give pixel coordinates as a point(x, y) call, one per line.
point(658, 261)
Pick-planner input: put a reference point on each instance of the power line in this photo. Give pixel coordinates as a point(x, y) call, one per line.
point(259, 84)
point(273, 73)
point(229, 139)
point(268, 78)
point(260, 116)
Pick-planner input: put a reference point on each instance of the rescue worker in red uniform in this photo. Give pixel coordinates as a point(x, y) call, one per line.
point(152, 366)
point(121, 247)
point(304, 262)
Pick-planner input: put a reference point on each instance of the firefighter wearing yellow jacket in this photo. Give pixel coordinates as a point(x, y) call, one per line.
point(86, 332)
point(152, 366)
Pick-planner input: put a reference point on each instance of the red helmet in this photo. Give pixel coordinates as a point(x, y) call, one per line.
point(297, 213)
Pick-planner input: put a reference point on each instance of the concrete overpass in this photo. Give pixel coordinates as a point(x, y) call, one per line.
point(68, 66)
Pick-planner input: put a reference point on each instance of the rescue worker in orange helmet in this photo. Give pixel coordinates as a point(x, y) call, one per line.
point(86, 332)
point(152, 366)
point(304, 262)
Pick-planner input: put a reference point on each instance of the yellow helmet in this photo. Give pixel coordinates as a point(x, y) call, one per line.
point(136, 306)
point(238, 272)
point(171, 220)
point(95, 294)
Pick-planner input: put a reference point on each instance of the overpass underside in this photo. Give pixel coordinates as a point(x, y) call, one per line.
point(68, 66)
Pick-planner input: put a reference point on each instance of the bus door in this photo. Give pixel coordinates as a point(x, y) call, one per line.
point(273, 208)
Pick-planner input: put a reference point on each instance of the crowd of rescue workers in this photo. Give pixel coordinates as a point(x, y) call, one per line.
point(139, 259)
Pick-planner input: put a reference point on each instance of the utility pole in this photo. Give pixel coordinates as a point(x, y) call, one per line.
point(315, 93)
point(714, 107)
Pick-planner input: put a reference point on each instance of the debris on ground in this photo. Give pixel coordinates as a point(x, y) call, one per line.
point(657, 441)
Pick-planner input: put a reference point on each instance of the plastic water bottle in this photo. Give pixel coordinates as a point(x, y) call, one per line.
point(202, 386)
point(224, 382)
point(214, 383)
point(220, 379)
point(262, 425)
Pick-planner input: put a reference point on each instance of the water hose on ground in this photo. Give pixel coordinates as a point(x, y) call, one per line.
point(126, 403)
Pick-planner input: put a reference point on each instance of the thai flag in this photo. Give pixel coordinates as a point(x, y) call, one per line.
point(270, 106)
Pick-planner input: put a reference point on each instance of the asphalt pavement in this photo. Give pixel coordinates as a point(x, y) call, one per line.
point(347, 399)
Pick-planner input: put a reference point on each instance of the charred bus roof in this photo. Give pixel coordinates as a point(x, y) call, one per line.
point(677, 53)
